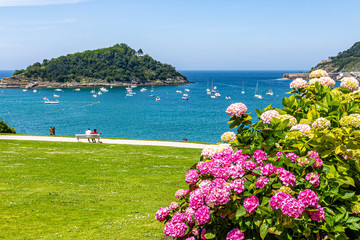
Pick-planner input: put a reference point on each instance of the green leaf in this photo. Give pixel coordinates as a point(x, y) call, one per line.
point(264, 230)
point(347, 195)
point(210, 236)
point(339, 228)
point(352, 220)
point(241, 211)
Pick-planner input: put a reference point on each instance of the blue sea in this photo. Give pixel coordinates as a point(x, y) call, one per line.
point(200, 118)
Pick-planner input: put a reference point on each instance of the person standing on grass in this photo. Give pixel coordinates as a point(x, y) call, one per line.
point(88, 132)
point(95, 132)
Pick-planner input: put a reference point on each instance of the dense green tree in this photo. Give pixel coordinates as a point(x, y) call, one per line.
point(117, 63)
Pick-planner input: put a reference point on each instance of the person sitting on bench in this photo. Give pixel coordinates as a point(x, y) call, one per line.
point(95, 132)
point(88, 132)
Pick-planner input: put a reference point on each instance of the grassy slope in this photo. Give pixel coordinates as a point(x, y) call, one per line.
point(87, 191)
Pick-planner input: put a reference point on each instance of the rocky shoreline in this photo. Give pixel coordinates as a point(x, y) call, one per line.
point(29, 83)
point(335, 76)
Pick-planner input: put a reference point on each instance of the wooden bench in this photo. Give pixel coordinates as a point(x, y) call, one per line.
point(87, 136)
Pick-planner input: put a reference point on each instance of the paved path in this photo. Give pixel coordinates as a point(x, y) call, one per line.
point(104, 140)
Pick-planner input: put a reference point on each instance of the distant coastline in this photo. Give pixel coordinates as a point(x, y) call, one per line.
point(335, 76)
point(21, 82)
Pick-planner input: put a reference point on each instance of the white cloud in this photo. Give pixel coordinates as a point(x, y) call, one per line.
point(21, 3)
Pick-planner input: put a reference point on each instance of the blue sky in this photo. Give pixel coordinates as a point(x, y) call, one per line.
point(188, 34)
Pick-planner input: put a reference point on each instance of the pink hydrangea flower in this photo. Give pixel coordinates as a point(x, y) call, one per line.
point(291, 207)
point(249, 165)
point(303, 128)
point(268, 115)
point(236, 171)
point(235, 234)
point(191, 238)
point(181, 193)
point(189, 212)
point(350, 83)
point(196, 199)
point(203, 232)
point(313, 178)
point(292, 156)
point(318, 215)
point(176, 230)
point(178, 217)
point(162, 213)
point(174, 205)
point(318, 163)
point(205, 186)
point(309, 198)
point(287, 178)
point(192, 176)
point(278, 199)
point(236, 109)
point(238, 186)
point(259, 156)
point(202, 215)
point(298, 83)
point(261, 182)
point(251, 203)
point(278, 154)
point(220, 192)
point(268, 169)
point(326, 81)
point(313, 154)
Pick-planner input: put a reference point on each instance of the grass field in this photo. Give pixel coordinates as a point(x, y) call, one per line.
point(87, 191)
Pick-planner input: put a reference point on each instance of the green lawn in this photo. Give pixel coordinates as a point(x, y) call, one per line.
point(87, 191)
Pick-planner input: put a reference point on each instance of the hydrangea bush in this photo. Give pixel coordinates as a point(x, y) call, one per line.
point(292, 175)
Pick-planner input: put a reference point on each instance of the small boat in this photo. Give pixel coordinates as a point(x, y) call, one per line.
point(130, 94)
point(133, 86)
point(34, 90)
point(56, 95)
point(58, 90)
point(242, 91)
point(99, 93)
point(217, 94)
point(257, 95)
point(143, 90)
point(270, 92)
point(215, 87)
point(187, 90)
point(102, 89)
point(45, 98)
point(94, 95)
point(178, 91)
point(152, 95)
point(92, 91)
point(227, 97)
point(24, 90)
point(185, 95)
point(212, 96)
point(209, 93)
point(157, 98)
point(51, 102)
point(111, 86)
point(77, 89)
point(185, 98)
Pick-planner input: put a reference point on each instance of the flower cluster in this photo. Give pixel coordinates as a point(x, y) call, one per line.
point(318, 74)
point(312, 81)
point(326, 81)
point(298, 83)
point(321, 123)
point(292, 120)
point(318, 162)
point(350, 121)
point(236, 109)
point(268, 115)
point(313, 178)
point(226, 176)
point(303, 128)
point(350, 83)
point(235, 234)
point(228, 137)
point(209, 151)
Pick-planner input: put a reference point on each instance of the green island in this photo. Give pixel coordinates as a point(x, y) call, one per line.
point(63, 190)
point(118, 65)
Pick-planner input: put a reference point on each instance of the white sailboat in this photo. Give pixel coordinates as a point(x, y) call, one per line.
point(270, 92)
point(257, 95)
point(242, 91)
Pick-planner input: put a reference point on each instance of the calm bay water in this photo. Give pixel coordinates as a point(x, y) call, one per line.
point(201, 118)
